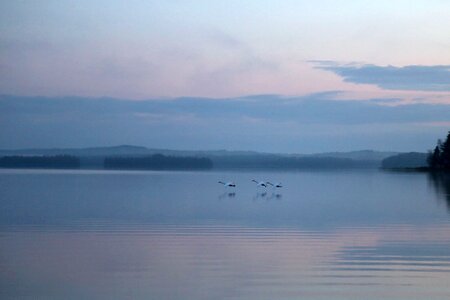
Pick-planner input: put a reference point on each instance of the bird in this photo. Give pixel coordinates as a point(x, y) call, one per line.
point(260, 183)
point(277, 185)
point(228, 184)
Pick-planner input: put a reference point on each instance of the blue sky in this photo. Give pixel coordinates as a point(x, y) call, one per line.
point(386, 55)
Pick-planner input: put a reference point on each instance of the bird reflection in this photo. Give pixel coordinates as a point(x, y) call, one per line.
point(275, 196)
point(441, 183)
point(227, 195)
point(267, 197)
point(259, 195)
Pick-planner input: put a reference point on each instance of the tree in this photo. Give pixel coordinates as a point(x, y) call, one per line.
point(445, 153)
point(440, 157)
point(434, 158)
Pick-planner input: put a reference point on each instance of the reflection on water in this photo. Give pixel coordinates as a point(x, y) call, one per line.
point(260, 195)
point(140, 261)
point(227, 195)
point(176, 235)
point(441, 183)
point(267, 196)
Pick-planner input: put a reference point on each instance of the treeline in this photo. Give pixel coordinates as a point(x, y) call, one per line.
point(412, 160)
point(47, 162)
point(275, 162)
point(439, 158)
point(168, 162)
point(158, 162)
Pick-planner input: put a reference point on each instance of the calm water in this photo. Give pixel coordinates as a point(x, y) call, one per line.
point(181, 235)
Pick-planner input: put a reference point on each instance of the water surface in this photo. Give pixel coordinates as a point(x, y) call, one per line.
point(181, 235)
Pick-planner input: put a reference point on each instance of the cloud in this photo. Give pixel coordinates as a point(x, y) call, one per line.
point(310, 123)
point(414, 77)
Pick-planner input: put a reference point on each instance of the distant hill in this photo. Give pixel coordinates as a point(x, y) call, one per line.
point(122, 150)
point(94, 157)
point(405, 160)
point(158, 162)
point(139, 150)
point(280, 162)
point(358, 155)
point(95, 151)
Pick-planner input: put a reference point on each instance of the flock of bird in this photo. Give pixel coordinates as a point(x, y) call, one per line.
point(258, 184)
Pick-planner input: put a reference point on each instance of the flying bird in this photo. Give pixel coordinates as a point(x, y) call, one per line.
point(260, 183)
point(277, 185)
point(228, 184)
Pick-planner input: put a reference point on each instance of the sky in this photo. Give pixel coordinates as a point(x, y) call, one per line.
point(277, 76)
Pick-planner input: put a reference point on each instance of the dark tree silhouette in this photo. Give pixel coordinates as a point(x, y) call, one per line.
point(46, 162)
point(434, 158)
point(439, 159)
point(157, 162)
point(445, 153)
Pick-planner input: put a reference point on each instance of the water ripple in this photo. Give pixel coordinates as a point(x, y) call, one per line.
point(253, 262)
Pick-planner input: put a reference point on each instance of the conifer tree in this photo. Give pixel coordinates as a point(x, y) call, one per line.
point(440, 157)
point(445, 153)
point(434, 158)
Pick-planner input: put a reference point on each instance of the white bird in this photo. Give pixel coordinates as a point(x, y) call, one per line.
point(277, 185)
point(228, 184)
point(260, 183)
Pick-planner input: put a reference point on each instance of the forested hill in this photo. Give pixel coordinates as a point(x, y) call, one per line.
point(101, 157)
point(158, 162)
point(405, 161)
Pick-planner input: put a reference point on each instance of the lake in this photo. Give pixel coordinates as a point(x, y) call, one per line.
point(363, 234)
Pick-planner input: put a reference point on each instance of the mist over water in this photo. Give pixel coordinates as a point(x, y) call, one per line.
point(362, 234)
